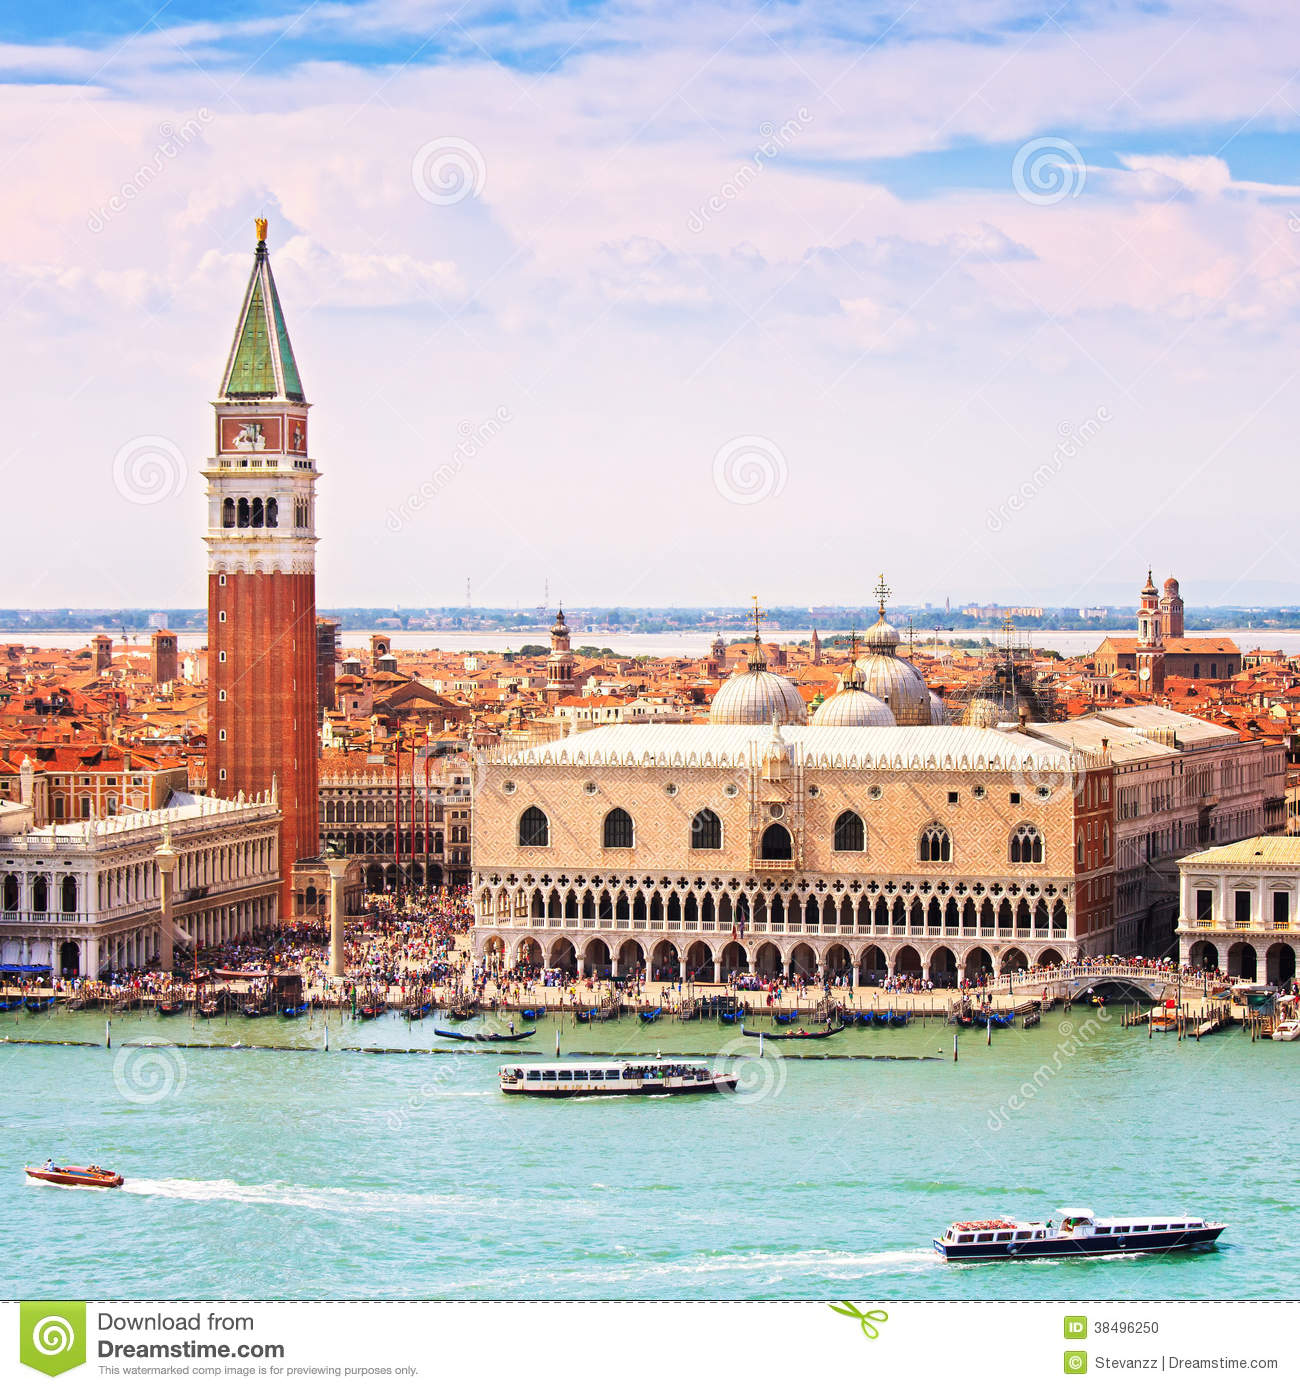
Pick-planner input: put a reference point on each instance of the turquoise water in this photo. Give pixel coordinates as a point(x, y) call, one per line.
point(263, 1174)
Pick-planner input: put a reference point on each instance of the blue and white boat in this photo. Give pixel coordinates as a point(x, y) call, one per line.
point(1076, 1231)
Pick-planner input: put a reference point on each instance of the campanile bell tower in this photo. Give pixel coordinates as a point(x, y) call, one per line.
point(261, 541)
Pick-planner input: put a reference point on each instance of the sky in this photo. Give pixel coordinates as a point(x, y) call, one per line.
point(665, 303)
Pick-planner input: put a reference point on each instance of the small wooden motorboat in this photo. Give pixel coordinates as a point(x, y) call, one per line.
point(169, 1008)
point(798, 1035)
point(293, 1010)
point(649, 1015)
point(76, 1175)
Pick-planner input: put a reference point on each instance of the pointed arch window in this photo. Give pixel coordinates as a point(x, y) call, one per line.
point(619, 830)
point(936, 845)
point(1027, 845)
point(706, 830)
point(850, 833)
point(776, 843)
point(534, 828)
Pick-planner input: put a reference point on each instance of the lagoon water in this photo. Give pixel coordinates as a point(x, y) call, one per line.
point(272, 1174)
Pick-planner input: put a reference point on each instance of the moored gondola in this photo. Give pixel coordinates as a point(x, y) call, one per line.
point(649, 1015)
point(584, 1015)
point(530, 1014)
point(37, 1006)
point(207, 1008)
point(897, 1019)
point(293, 1010)
point(415, 1012)
point(786, 1018)
point(169, 1008)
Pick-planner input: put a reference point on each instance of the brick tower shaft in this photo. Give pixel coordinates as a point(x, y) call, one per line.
point(261, 578)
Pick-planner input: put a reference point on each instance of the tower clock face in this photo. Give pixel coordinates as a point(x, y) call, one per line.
point(1145, 673)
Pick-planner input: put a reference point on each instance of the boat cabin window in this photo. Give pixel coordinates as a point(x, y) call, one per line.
point(548, 1076)
point(611, 1076)
point(579, 1075)
point(534, 1076)
point(566, 1076)
point(1140, 1228)
point(1004, 1235)
point(964, 1240)
point(1103, 1230)
point(1121, 1230)
point(1161, 1227)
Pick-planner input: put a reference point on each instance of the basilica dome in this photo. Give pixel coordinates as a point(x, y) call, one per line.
point(757, 696)
point(891, 679)
point(853, 708)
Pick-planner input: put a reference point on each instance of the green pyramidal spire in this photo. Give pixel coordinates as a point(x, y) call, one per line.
point(261, 364)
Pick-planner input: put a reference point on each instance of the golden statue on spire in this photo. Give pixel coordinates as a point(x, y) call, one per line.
point(260, 224)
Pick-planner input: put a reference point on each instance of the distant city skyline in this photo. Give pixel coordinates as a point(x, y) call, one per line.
point(663, 305)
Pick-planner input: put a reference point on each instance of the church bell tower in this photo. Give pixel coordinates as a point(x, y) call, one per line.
point(1150, 643)
point(261, 542)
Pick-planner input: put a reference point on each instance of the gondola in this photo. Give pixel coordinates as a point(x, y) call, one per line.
point(293, 1010)
point(732, 1015)
point(169, 1008)
point(649, 1015)
point(415, 1012)
point(207, 1009)
point(371, 1009)
point(483, 1037)
point(6, 1006)
point(75, 1005)
point(37, 1006)
point(253, 1010)
point(799, 1034)
point(881, 1020)
point(848, 1017)
point(584, 1015)
point(792, 1016)
point(898, 1020)
point(983, 1018)
point(866, 1018)
point(529, 1014)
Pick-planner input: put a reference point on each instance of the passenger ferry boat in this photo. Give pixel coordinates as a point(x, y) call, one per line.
point(659, 1076)
point(1077, 1232)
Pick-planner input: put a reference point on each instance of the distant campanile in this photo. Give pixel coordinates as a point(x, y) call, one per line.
point(261, 541)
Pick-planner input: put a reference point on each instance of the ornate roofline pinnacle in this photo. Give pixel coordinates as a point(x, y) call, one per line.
point(882, 592)
point(757, 658)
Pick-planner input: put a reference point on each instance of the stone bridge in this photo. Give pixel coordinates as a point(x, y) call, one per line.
point(1072, 980)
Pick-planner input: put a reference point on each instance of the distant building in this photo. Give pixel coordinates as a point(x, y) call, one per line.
point(162, 657)
point(1161, 646)
point(327, 664)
